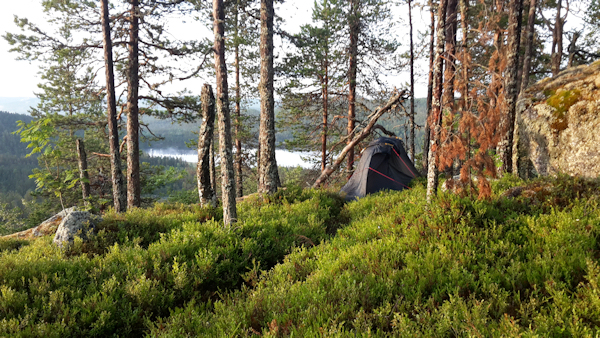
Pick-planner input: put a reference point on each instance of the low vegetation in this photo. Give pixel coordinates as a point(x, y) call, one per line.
point(303, 263)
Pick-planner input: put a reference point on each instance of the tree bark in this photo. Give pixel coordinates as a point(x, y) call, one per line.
point(429, 89)
point(205, 136)
point(268, 175)
point(436, 104)
point(450, 55)
point(397, 98)
point(238, 111)
point(412, 84)
point(118, 181)
point(213, 170)
point(512, 67)
point(325, 93)
point(354, 29)
point(222, 101)
point(133, 126)
point(84, 177)
point(557, 40)
point(528, 44)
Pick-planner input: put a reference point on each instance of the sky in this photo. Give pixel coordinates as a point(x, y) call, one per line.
point(20, 78)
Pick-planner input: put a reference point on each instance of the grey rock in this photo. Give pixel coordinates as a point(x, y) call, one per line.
point(76, 224)
point(558, 124)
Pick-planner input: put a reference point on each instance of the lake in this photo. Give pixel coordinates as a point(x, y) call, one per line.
point(284, 158)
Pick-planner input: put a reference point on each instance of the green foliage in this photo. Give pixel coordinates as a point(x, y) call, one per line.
point(144, 263)
point(460, 266)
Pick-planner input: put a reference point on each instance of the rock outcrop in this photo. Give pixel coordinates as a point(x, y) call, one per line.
point(77, 223)
point(47, 227)
point(558, 125)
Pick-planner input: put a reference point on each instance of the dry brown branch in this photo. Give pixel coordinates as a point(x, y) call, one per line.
point(397, 98)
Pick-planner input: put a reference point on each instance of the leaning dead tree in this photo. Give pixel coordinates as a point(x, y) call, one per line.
point(205, 145)
point(397, 98)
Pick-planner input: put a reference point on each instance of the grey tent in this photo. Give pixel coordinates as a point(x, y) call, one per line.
point(384, 164)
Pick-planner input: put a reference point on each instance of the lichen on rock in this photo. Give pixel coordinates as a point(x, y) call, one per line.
point(558, 125)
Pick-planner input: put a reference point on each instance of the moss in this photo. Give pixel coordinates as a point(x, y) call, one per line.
point(562, 101)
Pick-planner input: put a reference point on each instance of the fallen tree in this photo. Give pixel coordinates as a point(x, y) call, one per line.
point(397, 98)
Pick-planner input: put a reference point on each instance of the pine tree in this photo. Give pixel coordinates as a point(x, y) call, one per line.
point(222, 105)
point(268, 176)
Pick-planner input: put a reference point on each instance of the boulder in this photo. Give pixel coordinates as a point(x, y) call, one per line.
point(47, 227)
point(558, 125)
point(77, 223)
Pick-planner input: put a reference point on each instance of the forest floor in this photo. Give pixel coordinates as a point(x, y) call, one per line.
point(305, 263)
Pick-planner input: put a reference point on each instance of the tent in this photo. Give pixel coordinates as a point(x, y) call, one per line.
point(384, 164)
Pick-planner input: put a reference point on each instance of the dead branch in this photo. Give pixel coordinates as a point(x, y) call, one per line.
point(397, 98)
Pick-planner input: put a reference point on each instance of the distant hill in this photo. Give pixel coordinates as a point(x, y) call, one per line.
point(14, 167)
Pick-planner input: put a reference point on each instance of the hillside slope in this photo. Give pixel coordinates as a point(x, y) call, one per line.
point(304, 264)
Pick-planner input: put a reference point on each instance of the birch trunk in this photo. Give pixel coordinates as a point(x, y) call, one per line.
point(436, 104)
point(412, 84)
point(118, 181)
point(429, 89)
point(222, 103)
point(205, 136)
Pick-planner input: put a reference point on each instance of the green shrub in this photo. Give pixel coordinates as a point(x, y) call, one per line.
point(144, 263)
point(457, 267)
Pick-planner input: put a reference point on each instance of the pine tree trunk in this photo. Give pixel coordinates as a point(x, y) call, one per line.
point(528, 44)
point(512, 68)
point(222, 102)
point(354, 29)
point(450, 55)
point(238, 111)
point(205, 136)
point(213, 170)
point(412, 84)
point(118, 181)
point(133, 126)
point(429, 89)
point(84, 177)
point(268, 175)
point(436, 104)
point(557, 40)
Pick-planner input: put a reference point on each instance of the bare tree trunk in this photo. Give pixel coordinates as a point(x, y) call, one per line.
point(133, 126)
point(573, 48)
point(512, 68)
point(412, 84)
point(239, 179)
point(268, 175)
point(84, 177)
point(354, 26)
point(205, 187)
point(325, 93)
point(222, 100)
point(429, 89)
point(118, 181)
point(450, 55)
point(436, 104)
point(528, 44)
point(397, 98)
point(213, 170)
point(557, 40)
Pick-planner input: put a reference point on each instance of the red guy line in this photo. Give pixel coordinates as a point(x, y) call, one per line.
point(407, 167)
point(388, 177)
